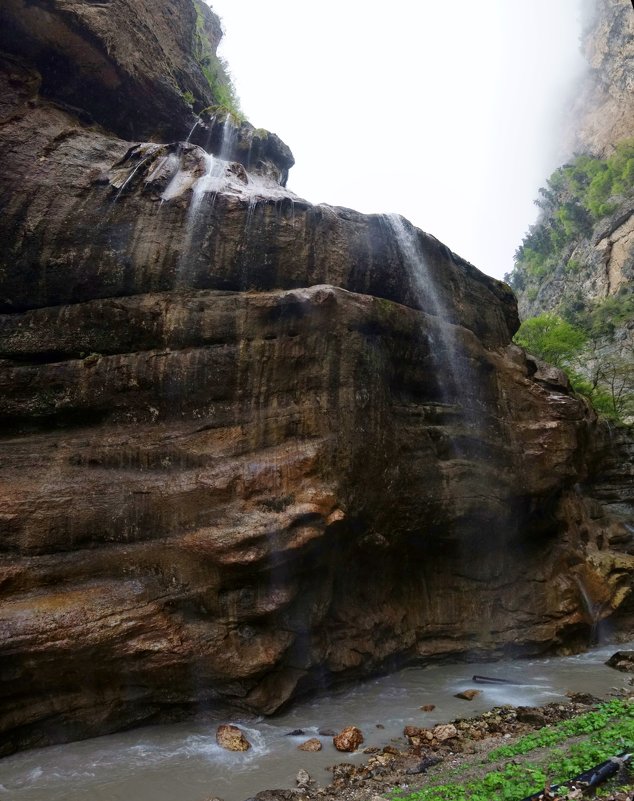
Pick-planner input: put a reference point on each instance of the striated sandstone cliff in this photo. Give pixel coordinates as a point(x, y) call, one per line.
point(246, 449)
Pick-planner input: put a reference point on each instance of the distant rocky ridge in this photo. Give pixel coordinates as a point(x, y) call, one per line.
point(246, 451)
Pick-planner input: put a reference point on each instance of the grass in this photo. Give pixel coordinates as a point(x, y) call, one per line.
point(513, 772)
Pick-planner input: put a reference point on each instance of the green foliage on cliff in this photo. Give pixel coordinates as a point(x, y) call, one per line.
point(214, 68)
point(551, 338)
point(605, 377)
point(575, 198)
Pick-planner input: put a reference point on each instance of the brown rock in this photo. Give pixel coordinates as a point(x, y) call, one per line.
point(310, 745)
point(623, 661)
point(445, 731)
point(303, 779)
point(349, 739)
point(231, 738)
point(468, 695)
point(413, 731)
point(428, 707)
point(529, 714)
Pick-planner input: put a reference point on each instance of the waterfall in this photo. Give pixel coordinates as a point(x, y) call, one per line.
point(593, 611)
point(458, 380)
point(194, 126)
point(206, 183)
point(133, 172)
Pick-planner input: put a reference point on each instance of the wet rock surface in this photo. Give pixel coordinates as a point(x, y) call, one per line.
point(231, 738)
point(311, 745)
point(206, 398)
point(622, 660)
point(349, 739)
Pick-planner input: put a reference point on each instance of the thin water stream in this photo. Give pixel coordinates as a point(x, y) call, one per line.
point(182, 762)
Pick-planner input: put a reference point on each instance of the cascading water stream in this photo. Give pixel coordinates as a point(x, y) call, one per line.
point(458, 380)
point(593, 611)
point(191, 133)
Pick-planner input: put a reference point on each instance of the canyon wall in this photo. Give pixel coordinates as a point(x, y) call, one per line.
point(251, 446)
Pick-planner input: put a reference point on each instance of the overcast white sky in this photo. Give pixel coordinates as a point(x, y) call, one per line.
point(446, 111)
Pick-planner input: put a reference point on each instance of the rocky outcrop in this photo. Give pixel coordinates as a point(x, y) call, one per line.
point(130, 66)
point(248, 447)
point(597, 265)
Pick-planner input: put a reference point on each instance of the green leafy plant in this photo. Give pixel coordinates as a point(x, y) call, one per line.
point(586, 740)
point(551, 338)
point(214, 69)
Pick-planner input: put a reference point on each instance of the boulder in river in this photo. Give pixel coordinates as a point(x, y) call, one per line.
point(303, 779)
point(428, 707)
point(349, 739)
point(231, 738)
point(310, 745)
point(622, 660)
point(467, 695)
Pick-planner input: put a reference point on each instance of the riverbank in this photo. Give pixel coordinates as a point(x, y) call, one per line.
point(505, 754)
point(183, 762)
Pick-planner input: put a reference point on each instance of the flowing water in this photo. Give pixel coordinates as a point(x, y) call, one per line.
point(181, 762)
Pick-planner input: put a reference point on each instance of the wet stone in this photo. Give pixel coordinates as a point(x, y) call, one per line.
point(311, 745)
point(467, 695)
point(349, 739)
point(231, 738)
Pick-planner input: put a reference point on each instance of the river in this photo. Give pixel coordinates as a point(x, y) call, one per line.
point(182, 762)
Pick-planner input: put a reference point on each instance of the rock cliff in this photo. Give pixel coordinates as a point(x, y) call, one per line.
point(603, 113)
point(251, 446)
point(577, 261)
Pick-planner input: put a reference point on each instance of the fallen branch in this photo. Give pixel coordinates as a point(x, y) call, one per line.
point(489, 680)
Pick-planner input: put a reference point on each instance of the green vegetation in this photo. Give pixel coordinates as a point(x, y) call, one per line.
point(586, 740)
point(575, 340)
point(576, 335)
point(214, 69)
point(551, 338)
point(576, 196)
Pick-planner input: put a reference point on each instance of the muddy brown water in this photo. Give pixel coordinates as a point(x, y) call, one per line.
point(182, 762)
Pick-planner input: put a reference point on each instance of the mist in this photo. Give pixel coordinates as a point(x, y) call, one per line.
point(448, 113)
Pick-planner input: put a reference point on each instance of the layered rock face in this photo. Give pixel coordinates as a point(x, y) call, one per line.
point(251, 446)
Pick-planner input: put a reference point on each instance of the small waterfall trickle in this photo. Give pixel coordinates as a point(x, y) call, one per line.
point(191, 133)
point(133, 172)
point(206, 183)
point(593, 612)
